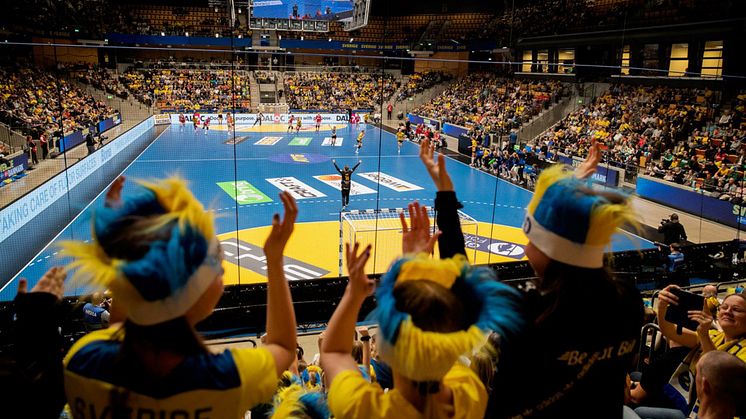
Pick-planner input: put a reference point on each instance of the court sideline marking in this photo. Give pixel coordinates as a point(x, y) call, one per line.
point(34, 259)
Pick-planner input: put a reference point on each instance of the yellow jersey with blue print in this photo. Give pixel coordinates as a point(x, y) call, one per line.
point(352, 396)
point(222, 385)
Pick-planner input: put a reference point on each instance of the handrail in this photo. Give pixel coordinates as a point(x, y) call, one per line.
point(644, 331)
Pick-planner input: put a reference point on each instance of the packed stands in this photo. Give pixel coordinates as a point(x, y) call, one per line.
point(34, 100)
point(638, 124)
point(417, 83)
point(491, 102)
point(307, 90)
point(103, 79)
point(190, 90)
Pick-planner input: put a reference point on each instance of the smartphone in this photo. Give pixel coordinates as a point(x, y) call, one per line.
point(679, 314)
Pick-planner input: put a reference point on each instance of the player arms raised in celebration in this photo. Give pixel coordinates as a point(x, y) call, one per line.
point(346, 174)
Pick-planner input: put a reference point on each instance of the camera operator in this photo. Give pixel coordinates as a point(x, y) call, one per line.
point(673, 231)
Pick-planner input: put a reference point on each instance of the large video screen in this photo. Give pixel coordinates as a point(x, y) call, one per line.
point(303, 9)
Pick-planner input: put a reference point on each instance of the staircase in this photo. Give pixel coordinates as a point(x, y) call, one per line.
point(131, 111)
point(254, 89)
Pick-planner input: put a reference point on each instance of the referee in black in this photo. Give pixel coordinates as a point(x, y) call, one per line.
point(346, 174)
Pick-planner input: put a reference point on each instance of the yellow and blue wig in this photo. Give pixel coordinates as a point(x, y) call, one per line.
point(569, 222)
point(425, 355)
point(295, 402)
point(176, 254)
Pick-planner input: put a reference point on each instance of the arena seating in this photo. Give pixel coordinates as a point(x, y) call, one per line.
point(671, 133)
point(489, 101)
point(306, 90)
point(31, 103)
point(189, 90)
point(421, 81)
point(103, 79)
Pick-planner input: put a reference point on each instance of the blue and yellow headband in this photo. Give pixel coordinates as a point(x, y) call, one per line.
point(295, 402)
point(427, 356)
point(178, 265)
point(568, 223)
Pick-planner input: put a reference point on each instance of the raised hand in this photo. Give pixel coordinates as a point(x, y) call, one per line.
point(417, 239)
point(360, 285)
point(114, 194)
point(703, 319)
point(53, 282)
point(437, 170)
point(274, 246)
point(589, 165)
point(667, 297)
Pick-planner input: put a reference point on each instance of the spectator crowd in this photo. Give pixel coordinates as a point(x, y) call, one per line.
point(419, 82)
point(34, 101)
point(449, 339)
point(190, 90)
point(489, 102)
point(310, 90)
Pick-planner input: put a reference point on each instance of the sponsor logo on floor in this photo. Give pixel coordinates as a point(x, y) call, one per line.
point(389, 181)
point(299, 158)
point(268, 141)
point(302, 141)
point(328, 142)
point(236, 140)
point(251, 257)
point(335, 181)
point(295, 187)
point(494, 246)
point(243, 192)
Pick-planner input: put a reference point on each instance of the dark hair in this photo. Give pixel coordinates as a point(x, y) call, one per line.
point(357, 351)
point(433, 308)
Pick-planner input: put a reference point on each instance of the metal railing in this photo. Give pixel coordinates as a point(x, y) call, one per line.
point(11, 138)
point(546, 119)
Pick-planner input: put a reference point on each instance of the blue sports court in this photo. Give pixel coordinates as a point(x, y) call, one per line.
point(238, 178)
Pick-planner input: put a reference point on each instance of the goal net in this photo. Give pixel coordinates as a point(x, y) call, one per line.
point(381, 229)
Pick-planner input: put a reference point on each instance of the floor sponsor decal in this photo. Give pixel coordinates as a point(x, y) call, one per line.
point(494, 246)
point(243, 192)
point(390, 182)
point(295, 187)
point(251, 257)
point(328, 142)
point(335, 181)
point(236, 140)
point(268, 141)
point(299, 158)
point(303, 141)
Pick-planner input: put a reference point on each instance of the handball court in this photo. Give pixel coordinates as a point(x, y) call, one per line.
point(238, 178)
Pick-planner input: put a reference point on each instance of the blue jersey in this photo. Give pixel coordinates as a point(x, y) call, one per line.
point(206, 385)
point(93, 314)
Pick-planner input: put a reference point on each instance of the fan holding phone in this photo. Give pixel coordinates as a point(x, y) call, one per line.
point(683, 317)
